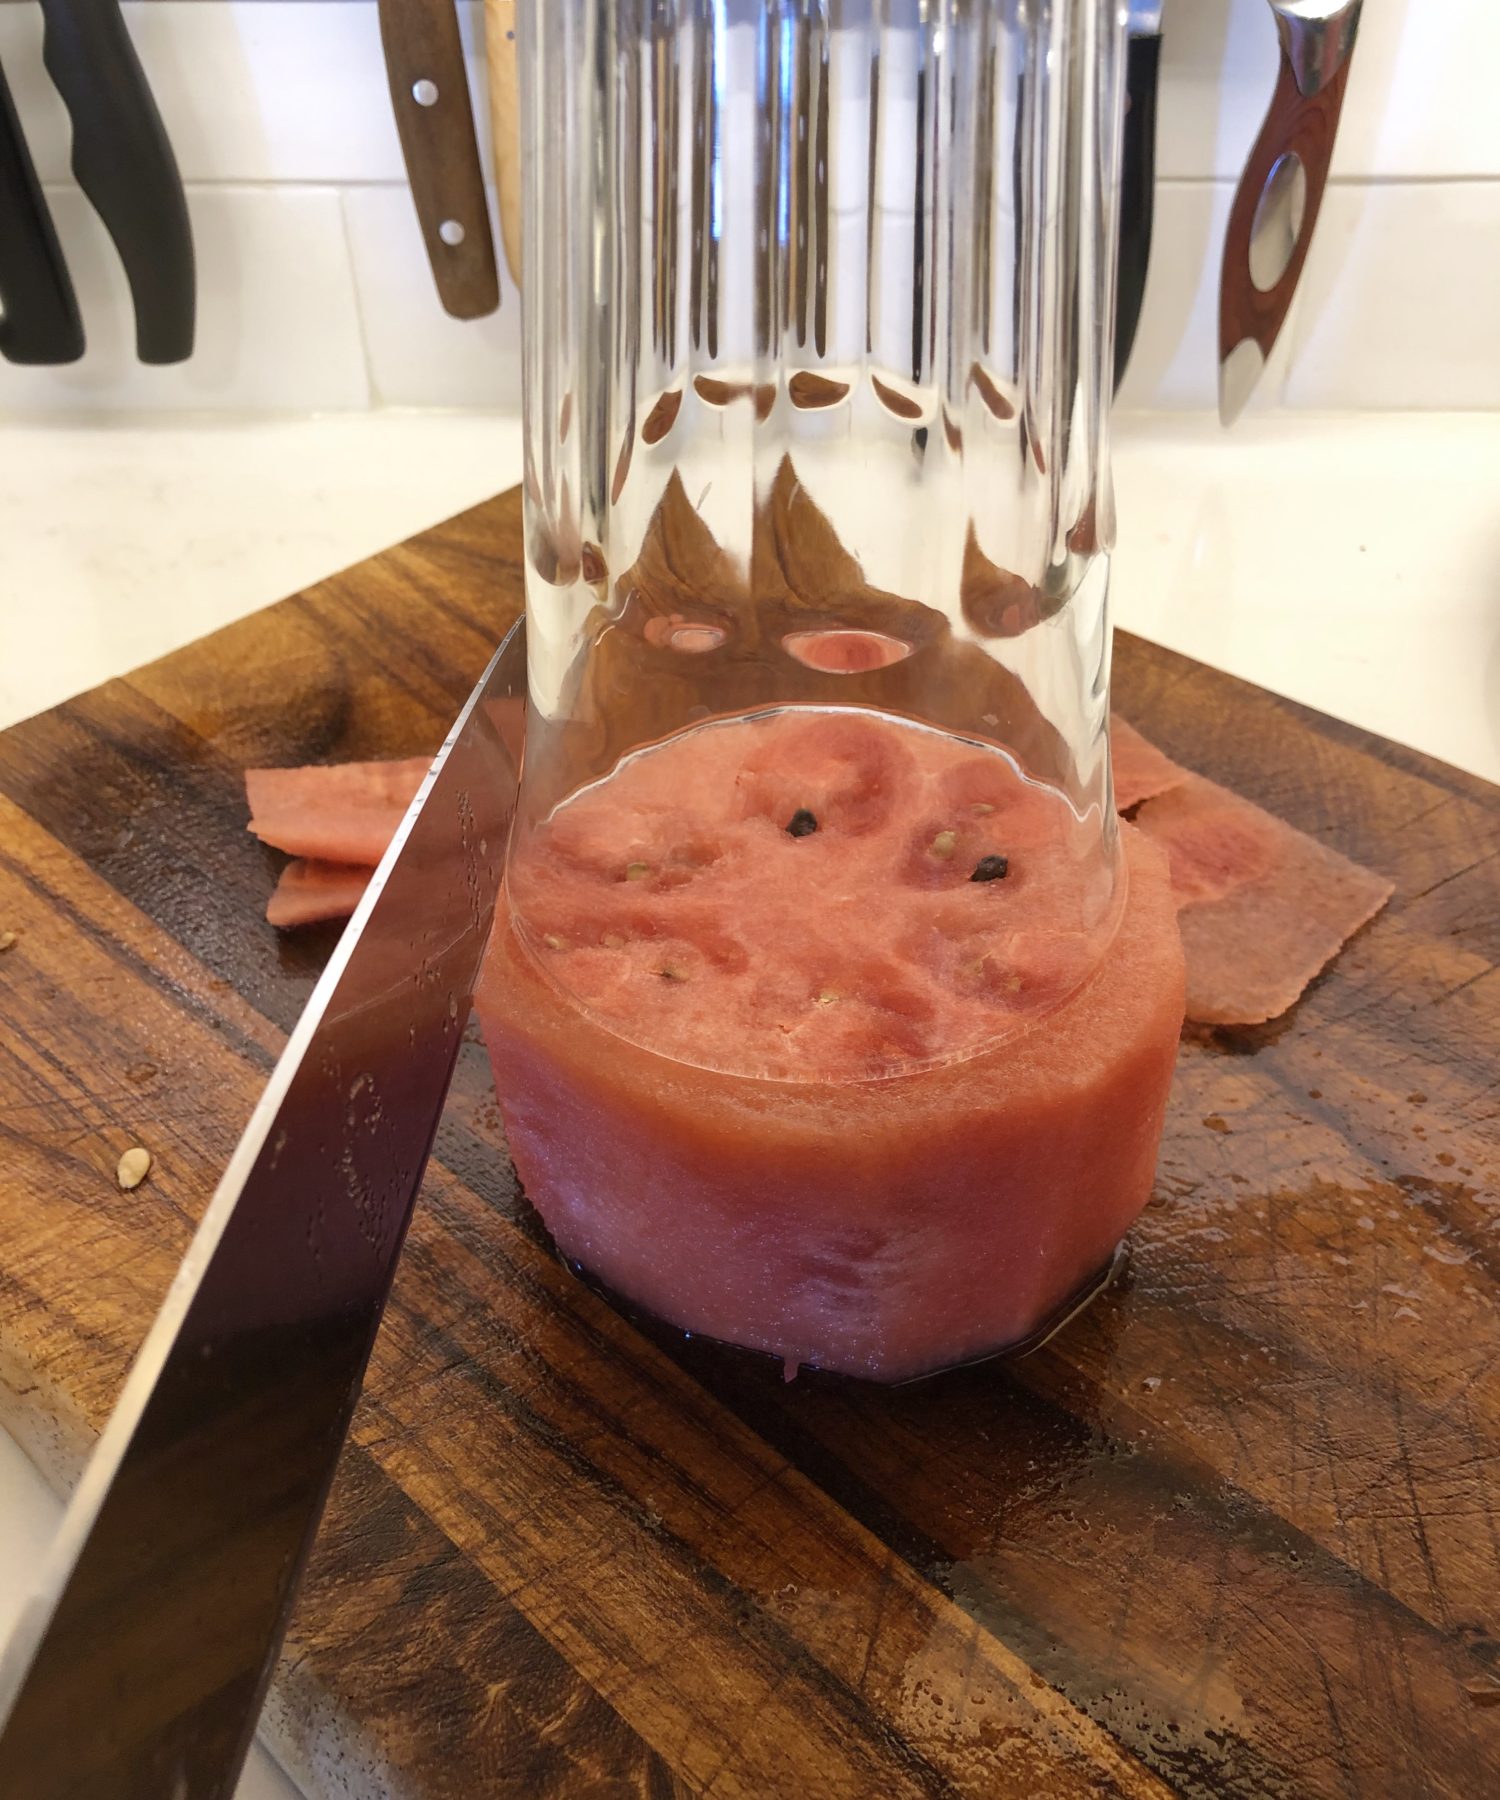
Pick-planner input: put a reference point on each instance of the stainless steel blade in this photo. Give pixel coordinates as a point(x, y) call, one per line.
point(138, 1668)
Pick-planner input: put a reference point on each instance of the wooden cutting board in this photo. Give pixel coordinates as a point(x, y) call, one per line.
point(1234, 1533)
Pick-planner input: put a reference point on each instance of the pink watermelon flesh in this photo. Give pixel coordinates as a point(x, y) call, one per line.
point(1263, 908)
point(309, 892)
point(845, 652)
point(348, 812)
point(1141, 770)
point(880, 1226)
point(1248, 961)
point(672, 900)
point(344, 813)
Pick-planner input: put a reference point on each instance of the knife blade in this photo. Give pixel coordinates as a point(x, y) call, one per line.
point(124, 163)
point(1137, 173)
point(39, 320)
point(424, 60)
point(1277, 201)
point(139, 1664)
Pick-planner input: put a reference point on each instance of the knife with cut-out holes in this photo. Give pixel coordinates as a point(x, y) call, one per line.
point(1276, 204)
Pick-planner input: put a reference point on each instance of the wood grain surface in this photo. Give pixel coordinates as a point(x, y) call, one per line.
point(1234, 1533)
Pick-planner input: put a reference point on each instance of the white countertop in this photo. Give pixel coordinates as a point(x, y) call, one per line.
point(1352, 563)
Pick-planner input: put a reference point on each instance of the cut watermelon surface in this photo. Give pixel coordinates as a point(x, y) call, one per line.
point(774, 1064)
point(344, 813)
point(1263, 907)
point(1141, 771)
point(348, 812)
point(309, 892)
point(805, 894)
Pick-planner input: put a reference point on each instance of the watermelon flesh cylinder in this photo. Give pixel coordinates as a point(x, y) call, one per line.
point(825, 1096)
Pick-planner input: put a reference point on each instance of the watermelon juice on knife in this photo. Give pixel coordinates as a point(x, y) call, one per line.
point(832, 1011)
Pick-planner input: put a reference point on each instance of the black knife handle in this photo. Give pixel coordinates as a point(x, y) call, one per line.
point(1137, 193)
point(124, 163)
point(39, 320)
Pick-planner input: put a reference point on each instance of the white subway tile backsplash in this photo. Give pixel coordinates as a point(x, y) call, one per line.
point(1419, 102)
point(1218, 69)
point(249, 90)
point(1174, 366)
point(278, 328)
point(281, 119)
point(268, 92)
point(44, 119)
point(418, 355)
point(1421, 95)
point(1398, 300)
point(295, 90)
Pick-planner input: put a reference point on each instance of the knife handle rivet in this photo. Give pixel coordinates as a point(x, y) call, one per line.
point(424, 92)
point(451, 232)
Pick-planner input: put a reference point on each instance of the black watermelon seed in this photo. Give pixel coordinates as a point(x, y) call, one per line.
point(801, 823)
point(991, 868)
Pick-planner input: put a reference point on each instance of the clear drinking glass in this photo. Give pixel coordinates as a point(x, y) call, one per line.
point(831, 1016)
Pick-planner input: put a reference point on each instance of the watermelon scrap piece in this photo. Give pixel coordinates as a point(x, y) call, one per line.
point(342, 813)
point(309, 892)
point(1262, 907)
point(1141, 770)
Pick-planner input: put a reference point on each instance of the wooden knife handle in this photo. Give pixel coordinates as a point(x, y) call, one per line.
point(505, 123)
point(424, 62)
point(1297, 122)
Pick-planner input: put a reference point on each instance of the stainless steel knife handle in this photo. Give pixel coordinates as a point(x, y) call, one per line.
point(1276, 205)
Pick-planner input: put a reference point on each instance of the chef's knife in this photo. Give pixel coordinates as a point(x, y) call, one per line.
point(39, 320)
point(138, 1667)
point(1137, 173)
point(1276, 204)
point(424, 62)
point(124, 163)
